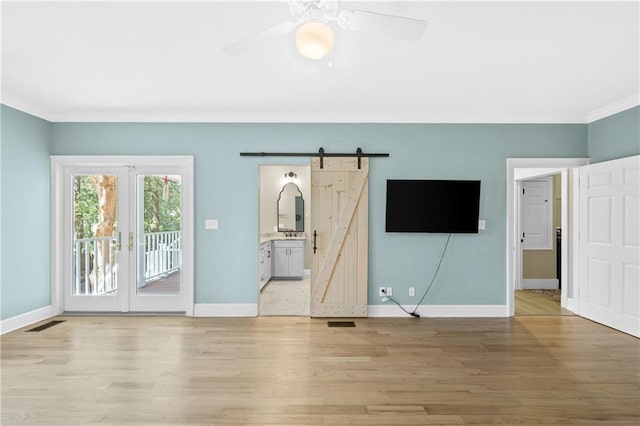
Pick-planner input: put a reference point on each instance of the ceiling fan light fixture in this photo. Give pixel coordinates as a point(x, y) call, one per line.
point(314, 39)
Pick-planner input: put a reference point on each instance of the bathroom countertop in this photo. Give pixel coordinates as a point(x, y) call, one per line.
point(266, 239)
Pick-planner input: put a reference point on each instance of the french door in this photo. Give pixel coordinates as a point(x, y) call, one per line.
point(123, 237)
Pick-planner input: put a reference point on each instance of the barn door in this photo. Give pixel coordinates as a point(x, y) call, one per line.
point(610, 243)
point(339, 219)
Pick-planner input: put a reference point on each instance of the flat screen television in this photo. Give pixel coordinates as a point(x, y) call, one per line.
point(439, 206)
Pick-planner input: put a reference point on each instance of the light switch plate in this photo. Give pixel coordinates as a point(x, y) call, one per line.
point(211, 224)
point(482, 225)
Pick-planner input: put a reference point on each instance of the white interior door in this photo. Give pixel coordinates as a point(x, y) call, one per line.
point(339, 216)
point(610, 243)
point(126, 236)
point(537, 214)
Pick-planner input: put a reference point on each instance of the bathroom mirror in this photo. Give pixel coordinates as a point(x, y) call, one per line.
point(290, 209)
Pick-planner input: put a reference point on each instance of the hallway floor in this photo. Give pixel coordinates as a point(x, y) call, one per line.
point(530, 302)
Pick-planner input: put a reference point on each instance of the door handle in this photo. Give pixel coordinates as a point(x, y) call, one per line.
point(315, 240)
point(119, 243)
point(130, 241)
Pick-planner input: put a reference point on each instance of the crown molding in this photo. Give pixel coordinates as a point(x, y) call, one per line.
point(186, 116)
point(614, 108)
point(14, 103)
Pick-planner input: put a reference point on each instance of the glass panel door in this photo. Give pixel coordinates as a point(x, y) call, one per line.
point(123, 238)
point(94, 231)
point(158, 230)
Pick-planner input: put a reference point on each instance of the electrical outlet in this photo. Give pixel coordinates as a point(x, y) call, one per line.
point(381, 291)
point(389, 291)
point(412, 291)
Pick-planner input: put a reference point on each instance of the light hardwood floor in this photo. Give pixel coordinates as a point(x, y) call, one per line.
point(298, 371)
point(530, 303)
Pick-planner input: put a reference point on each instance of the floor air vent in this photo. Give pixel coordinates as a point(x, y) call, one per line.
point(341, 324)
point(45, 325)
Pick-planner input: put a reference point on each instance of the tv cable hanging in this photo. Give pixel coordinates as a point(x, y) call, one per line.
point(414, 313)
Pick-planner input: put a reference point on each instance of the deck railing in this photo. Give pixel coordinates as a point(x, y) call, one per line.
point(94, 266)
point(95, 262)
point(162, 253)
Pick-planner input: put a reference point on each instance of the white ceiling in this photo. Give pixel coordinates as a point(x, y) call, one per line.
point(477, 62)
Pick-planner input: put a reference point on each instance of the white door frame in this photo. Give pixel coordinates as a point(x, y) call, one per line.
point(519, 169)
point(60, 162)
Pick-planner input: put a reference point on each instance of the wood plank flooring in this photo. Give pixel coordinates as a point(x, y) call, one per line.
point(530, 303)
point(298, 371)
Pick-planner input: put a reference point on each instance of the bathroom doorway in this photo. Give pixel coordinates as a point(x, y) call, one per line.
point(284, 251)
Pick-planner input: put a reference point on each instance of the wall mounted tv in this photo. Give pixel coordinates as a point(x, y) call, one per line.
point(443, 206)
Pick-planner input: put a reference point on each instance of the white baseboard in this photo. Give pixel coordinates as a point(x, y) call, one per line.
point(23, 320)
point(471, 311)
point(251, 310)
point(225, 310)
point(572, 305)
point(390, 310)
point(540, 284)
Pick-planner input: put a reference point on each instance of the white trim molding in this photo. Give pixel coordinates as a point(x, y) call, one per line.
point(59, 163)
point(27, 108)
point(614, 108)
point(434, 311)
point(545, 166)
point(199, 116)
point(28, 318)
point(225, 310)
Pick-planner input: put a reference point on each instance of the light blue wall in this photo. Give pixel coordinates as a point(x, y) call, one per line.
point(25, 216)
point(226, 188)
point(616, 136)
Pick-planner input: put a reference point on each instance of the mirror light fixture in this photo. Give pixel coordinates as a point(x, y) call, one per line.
point(314, 39)
point(290, 176)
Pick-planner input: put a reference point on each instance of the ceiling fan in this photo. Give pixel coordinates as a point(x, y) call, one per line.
point(312, 21)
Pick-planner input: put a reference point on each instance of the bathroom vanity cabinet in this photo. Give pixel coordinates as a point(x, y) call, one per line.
point(288, 259)
point(265, 263)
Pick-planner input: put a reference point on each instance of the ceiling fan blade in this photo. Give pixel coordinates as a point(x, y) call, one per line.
point(379, 23)
point(260, 38)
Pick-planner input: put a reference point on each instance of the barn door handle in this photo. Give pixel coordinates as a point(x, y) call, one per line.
point(315, 238)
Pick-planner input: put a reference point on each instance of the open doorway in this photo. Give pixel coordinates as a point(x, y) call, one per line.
point(330, 198)
point(541, 169)
point(284, 281)
point(541, 247)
